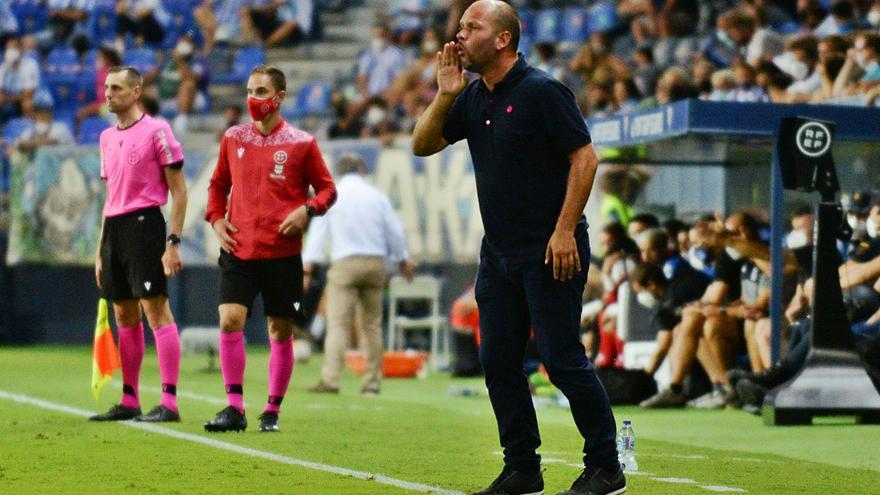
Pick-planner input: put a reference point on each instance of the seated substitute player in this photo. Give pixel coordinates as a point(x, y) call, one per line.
point(666, 283)
point(141, 161)
point(268, 165)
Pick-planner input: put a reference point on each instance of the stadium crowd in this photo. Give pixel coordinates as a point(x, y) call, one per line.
point(617, 57)
point(706, 280)
point(706, 287)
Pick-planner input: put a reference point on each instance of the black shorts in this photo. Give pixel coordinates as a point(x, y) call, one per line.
point(279, 280)
point(131, 255)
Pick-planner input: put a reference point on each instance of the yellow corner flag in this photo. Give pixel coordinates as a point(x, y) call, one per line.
point(105, 356)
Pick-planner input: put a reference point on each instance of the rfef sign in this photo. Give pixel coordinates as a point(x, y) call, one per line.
point(804, 150)
point(813, 139)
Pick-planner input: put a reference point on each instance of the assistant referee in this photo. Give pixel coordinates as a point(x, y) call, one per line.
point(140, 161)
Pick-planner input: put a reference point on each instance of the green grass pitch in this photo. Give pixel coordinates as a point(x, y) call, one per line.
point(413, 432)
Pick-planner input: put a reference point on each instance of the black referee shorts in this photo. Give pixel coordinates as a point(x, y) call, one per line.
point(131, 255)
point(279, 280)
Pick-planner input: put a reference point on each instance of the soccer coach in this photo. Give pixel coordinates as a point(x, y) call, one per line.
point(534, 166)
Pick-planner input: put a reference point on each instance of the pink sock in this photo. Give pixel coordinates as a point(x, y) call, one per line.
point(232, 361)
point(131, 352)
point(168, 349)
point(280, 369)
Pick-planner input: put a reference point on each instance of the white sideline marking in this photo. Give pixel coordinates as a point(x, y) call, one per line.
point(686, 481)
point(719, 488)
point(362, 475)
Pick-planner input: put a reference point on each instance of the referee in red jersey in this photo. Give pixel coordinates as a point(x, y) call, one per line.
point(268, 166)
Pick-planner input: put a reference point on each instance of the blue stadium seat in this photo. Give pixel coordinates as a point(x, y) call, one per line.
point(86, 87)
point(62, 65)
point(142, 59)
point(547, 24)
point(89, 60)
point(180, 6)
point(313, 99)
point(574, 25)
point(525, 46)
point(15, 127)
point(526, 23)
point(788, 27)
point(90, 130)
point(67, 97)
point(181, 23)
point(246, 58)
point(88, 71)
point(603, 17)
point(102, 23)
point(31, 14)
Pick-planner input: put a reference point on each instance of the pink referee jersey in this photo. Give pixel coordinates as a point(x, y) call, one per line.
point(132, 160)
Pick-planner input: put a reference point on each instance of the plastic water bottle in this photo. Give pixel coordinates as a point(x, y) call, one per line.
point(626, 447)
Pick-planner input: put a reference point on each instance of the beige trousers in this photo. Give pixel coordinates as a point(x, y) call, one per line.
point(351, 282)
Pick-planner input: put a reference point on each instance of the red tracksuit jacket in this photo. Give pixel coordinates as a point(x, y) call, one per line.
point(269, 177)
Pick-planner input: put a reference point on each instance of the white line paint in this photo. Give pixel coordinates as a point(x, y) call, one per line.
point(684, 481)
point(720, 488)
point(282, 459)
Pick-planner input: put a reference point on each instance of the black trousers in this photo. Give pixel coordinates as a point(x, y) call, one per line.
point(514, 296)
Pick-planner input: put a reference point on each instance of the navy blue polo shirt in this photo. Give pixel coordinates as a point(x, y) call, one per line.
point(519, 135)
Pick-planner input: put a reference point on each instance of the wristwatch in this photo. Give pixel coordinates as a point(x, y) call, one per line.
point(310, 210)
point(173, 239)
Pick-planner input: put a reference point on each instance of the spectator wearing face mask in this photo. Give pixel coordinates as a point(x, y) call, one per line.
point(800, 239)
point(19, 79)
point(723, 85)
point(799, 61)
point(703, 317)
point(873, 16)
point(378, 122)
point(44, 132)
point(841, 20)
point(379, 64)
point(863, 58)
point(665, 282)
point(418, 82)
point(183, 83)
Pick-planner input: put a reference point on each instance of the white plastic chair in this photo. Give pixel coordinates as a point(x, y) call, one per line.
point(422, 288)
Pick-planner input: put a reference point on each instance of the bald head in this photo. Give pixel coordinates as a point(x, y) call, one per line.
point(503, 17)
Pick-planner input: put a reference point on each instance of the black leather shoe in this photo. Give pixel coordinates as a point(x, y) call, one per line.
point(229, 419)
point(596, 481)
point(512, 482)
point(269, 422)
point(159, 414)
point(118, 413)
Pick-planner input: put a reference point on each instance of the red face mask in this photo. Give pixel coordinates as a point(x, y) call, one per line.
point(261, 108)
